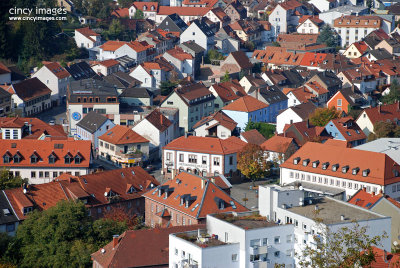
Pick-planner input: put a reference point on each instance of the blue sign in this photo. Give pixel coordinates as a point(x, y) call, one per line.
point(76, 116)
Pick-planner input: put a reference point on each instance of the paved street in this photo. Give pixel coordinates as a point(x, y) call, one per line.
point(56, 114)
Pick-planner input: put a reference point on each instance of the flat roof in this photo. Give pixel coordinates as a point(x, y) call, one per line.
point(313, 187)
point(245, 220)
point(388, 146)
point(331, 210)
point(204, 240)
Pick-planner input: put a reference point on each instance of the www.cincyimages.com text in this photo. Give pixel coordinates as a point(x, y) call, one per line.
point(36, 14)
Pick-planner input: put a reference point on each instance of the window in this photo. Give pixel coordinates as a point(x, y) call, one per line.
point(6, 159)
point(230, 160)
point(10, 227)
point(339, 102)
point(52, 159)
point(55, 174)
point(46, 174)
point(67, 159)
point(216, 161)
point(277, 240)
point(289, 238)
point(265, 241)
point(235, 257)
point(204, 160)
point(192, 158)
point(181, 157)
point(176, 251)
point(255, 242)
point(34, 159)
point(78, 159)
point(33, 174)
point(304, 226)
point(277, 254)
point(169, 155)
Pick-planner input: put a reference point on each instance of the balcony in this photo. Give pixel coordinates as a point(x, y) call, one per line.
point(256, 250)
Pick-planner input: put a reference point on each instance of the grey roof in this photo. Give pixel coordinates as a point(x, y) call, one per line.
point(175, 24)
point(388, 146)
point(80, 70)
point(355, 98)
point(91, 88)
point(92, 122)
point(347, 9)
point(331, 210)
point(192, 46)
point(271, 94)
point(121, 80)
point(380, 54)
point(293, 77)
point(329, 78)
point(304, 110)
point(136, 92)
point(203, 27)
point(126, 61)
point(7, 214)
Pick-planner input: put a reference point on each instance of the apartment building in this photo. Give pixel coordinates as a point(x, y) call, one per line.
point(299, 209)
point(341, 172)
point(238, 239)
point(206, 156)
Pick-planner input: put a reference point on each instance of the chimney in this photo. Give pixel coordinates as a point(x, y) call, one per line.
point(398, 106)
point(115, 241)
point(213, 180)
point(352, 87)
point(316, 207)
point(202, 184)
point(385, 256)
point(30, 129)
point(364, 189)
point(198, 233)
point(380, 192)
point(161, 119)
point(373, 193)
point(379, 108)
point(342, 217)
point(308, 123)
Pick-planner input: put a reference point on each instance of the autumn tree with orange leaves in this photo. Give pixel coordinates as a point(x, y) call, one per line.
point(251, 162)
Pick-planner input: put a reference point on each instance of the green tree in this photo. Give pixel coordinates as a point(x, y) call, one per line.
point(249, 45)
point(348, 247)
point(394, 93)
point(267, 130)
point(321, 116)
point(327, 36)
point(7, 180)
point(167, 87)
point(251, 162)
point(138, 14)
point(124, 3)
point(384, 129)
point(115, 30)
point(64, 235)
point(275, 44)
point(226, 77)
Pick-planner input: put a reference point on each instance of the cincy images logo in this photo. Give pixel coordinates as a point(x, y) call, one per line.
point(37, 13)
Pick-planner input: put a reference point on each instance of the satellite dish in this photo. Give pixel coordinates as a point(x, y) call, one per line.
point(105, 193)
point(103, 251)
point(301, 188)
point(395, 243)
point(25, 191)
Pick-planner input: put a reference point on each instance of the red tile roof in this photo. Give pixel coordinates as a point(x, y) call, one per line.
point(241, 59)
point(229, 91)
point(57, 70)
point(384, 259)
point(317, 88)
point(108, 63)
point(277, 144)
point(364, 199)
point(221, 118)
point(314, 19)
point(183, 11)
point(86, 31)
point(146, 6)
point(140, 248)
point(339, 143)
point(290, 5)
point(122, 135)
point(178, 53)
point(245, 104)
point(4, 69)
point(361, 46)
point(383, 112)
point(203, 194)
point(43, 149)
point(121, 12)
point(313, 59)
point(112, 45)
point(358, 21)
point(380, 165)
point(302, 93)
point(348, 128)
point(253, 136)
point(117, 181)
point(158, 120)
point(18, 201)
point(206, 145)
point(30, 89)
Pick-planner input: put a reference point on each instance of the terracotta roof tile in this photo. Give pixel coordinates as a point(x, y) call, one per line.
point(203, 195)
point(380, 165)
point(315, 19)
point(229, 91)
point(384, 259)
point(158, 120)
point(358, 21)
point(86, 31)
point(383, 112)
point(30, 88)
point(253, 136)
point(277, 144)
point(108, 63)
point(364, 199)
point(348, 128)
point(245, 104)
point(146, 6)
point(206, 144)
point(183, 11)
point(4, 69)
point(112, 45)
point(178, 53)
point(221, 118)
point(140, 248)
point(121, 12)
point(122, 135)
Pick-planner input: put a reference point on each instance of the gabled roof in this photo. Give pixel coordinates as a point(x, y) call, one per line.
point(30, 88)
point(245, 104)
point(348, 128)
point(108, 63)
point(86, 31)
point(194, 93)
point(57, 70)
point(116, 180)
point(383, 112)
point(136, 92)
point(122, 135)
point(43, 149)
point(303, 132)
point(317, 88)
point(206, 145)
point(302, 94)
point(241, 59)
point(80, 70)
point(378, 166)
point(203, 27)
point(5, 206)
point(221, 118)
point(146, 6)
point(183, 11)
point(290, 5)
point(314, 19)
point(203, 196)
point(140, 248)
point(92, 122)
point(253, 136)
point(179, 53)
point(380, 54)
point(304, 110)
point(384, 259)
point(361, 46)
point(358, 21)
point(229, 91)
point(158, 120)
point(364, 199)
point(4, 69)
point(269, 94)
point(277, 144)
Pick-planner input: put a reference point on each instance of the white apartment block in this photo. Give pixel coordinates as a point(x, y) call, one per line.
point(232, 241)
point(294, 206)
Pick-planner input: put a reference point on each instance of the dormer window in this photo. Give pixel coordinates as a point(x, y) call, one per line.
point(315, 164)
point(26, 210)
point(78, 159)
point(305, 162)
point(131, 190)
point(296, 160)
point(396, 173)
point(68, 159)
point(52, 158)
point(6, 158)
point(355, 170)
point(34, 158)
point(345, 169)
point(335, 167)
point(365, 172)
point(325, 165)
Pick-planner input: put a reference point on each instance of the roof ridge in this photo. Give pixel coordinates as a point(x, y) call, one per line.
point(203, 197)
